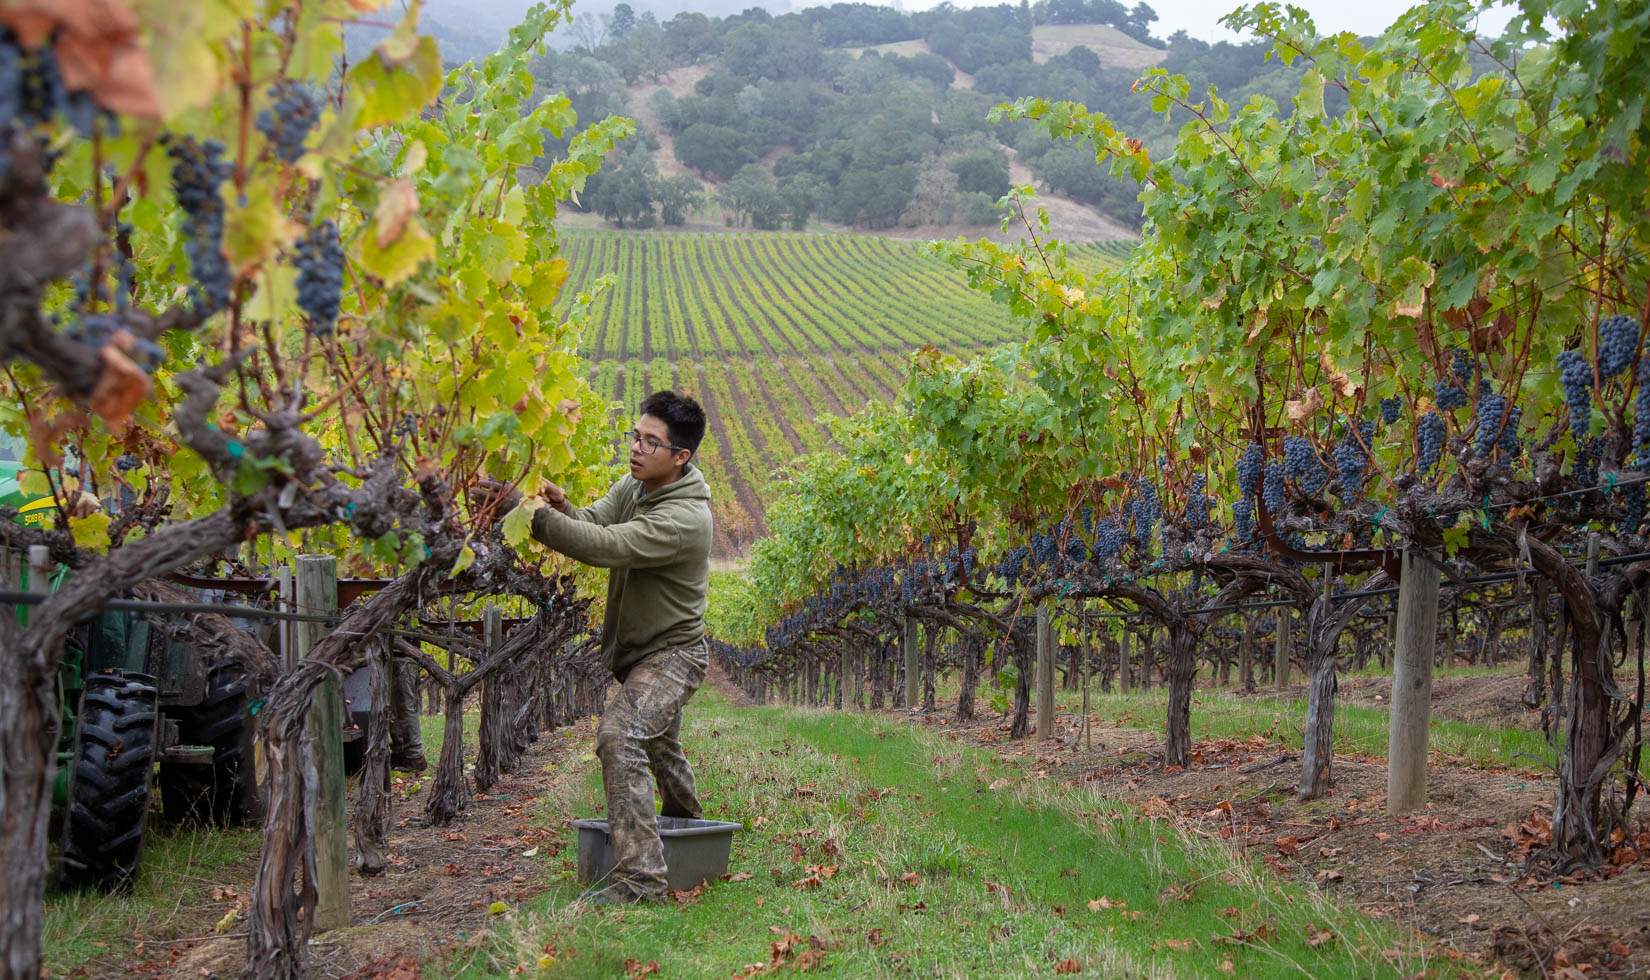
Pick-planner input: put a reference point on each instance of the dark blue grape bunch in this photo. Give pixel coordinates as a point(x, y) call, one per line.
point(1588, 455)
point(1430, 431)
point(1108, 539)
point(1492, 408)
point(1450, 392)
point(1146, 511)
point(1577, 377)
point(1352, 461)
point(1305, 467)
point(1641, 417)
point(1197, 503)
point(1618, 344)
point(288, 121)
point(1013, 564)
point(1508, 443)
point(198, 169)
point(1249, 468)
point(1448, 395)
point(1633, 498)
point(1243, 520)
point(320, 262)
point(1044, 548)
point(1273, 492)
point(1390, 409)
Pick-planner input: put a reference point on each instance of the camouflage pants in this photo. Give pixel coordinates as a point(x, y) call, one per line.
point(639, 731)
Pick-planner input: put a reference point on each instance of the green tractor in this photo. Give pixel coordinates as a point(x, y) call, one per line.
point(140, 713)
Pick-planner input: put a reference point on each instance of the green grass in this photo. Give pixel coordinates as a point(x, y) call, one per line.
point(1003, 882)
point(180, 869)
point(1358, 730)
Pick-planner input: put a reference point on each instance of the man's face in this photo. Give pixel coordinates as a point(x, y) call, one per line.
point(662, 462)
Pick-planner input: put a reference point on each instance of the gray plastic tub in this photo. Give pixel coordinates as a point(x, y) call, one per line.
point(695, 850)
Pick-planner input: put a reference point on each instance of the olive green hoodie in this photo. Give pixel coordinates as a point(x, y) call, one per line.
point(658, 548)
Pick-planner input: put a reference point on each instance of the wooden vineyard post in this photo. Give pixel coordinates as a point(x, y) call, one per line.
point(317, 593)
point(1123, 659)
point(1246, 664)
point(1406, 774)
point(1280, 652)
point(1045, 675)
point(913, 670)
point(844, 673)
point(284, 628)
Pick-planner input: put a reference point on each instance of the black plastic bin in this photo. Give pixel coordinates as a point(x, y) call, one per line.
point(695, 850)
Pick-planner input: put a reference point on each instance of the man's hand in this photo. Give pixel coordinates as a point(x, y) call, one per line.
point(557, 497)
point(491, 493)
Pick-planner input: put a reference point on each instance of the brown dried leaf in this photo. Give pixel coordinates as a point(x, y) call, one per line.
point(120, 388)
point(1305, 407)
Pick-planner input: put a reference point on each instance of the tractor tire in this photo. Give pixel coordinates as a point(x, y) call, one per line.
point(213, 795)
point(114, 757)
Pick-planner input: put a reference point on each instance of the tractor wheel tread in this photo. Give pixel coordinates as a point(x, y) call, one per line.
point(109, 782)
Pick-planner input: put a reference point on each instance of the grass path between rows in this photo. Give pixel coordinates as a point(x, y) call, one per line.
point(876, 849)
point(1360, 730)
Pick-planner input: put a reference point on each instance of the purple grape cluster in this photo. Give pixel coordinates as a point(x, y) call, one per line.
point(1641, 417)
point(1145, 510)
point(1462, 365)
point(287, 123)
point(1448, 395)
point(1352, 459)
point(1508, 443)
point(1305, 467)
point(94, 330)
point(1450, 392)
point(1243, 520)
point(1390, 409)
point(1632, 508)
point(1492, 408)
point(1197, 503)
point(1249, 468)
point(1273, 492)
point(1618, 345)
point(1430, 431)
point(1108, 538)
point(1587, 459)
point(198, 170)
point(1577, 377)
point(320, 262)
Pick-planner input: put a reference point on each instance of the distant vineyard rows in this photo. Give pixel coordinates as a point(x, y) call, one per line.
point(770, 332)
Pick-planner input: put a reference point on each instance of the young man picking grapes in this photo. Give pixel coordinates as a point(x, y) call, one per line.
point(653, 530)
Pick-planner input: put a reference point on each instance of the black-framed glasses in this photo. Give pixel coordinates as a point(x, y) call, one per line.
point(646, 443)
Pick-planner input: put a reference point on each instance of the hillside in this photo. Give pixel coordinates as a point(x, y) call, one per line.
point(1116, 49)
point(1070, 220)
point(770, 332)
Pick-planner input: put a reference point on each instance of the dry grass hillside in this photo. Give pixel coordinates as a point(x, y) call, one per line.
point(1069, 220)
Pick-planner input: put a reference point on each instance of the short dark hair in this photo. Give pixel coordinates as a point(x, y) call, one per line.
point(684, 419)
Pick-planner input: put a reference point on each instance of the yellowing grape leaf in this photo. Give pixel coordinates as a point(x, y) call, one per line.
point(398, 80)
point(518, 524)
point(395, 263)
point(91, 532)
point(397, 204)
point(254, 225)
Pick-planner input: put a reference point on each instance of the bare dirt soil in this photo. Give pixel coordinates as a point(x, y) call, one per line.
point(1458, 871)
point(434, 898)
